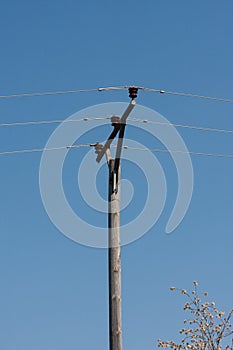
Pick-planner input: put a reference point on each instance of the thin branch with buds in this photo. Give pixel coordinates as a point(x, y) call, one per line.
point(207, 326)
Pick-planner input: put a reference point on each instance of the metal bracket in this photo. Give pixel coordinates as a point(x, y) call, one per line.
point(117, 127)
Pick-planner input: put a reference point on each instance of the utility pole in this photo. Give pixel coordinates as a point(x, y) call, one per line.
point(114, 248)
point(114, 259)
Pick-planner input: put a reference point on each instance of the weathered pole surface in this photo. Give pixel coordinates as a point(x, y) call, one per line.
point(114, 247)
point(114, 258)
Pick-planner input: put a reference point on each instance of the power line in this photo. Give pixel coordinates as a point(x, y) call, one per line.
point(180, 152)
point(67, 92)
point(182, 126)
point(115, 88)
point(186, 94)
point(36, 150)
point(44, 122)
point(51, 121)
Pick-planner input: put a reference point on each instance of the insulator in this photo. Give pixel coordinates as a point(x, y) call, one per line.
point(133, 91)
point(98, 148)
point(115, 120)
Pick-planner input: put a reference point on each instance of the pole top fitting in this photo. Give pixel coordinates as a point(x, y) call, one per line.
point(133, 91)
point(98, 147)
point(115, 120)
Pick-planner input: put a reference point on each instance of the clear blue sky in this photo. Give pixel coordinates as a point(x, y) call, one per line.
point(54, 291)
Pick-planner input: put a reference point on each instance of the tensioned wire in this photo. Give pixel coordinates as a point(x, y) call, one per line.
point(115, 88)
point(67, 92)
point(156, 150)
point(182, 126)
point(36, 150)
point(56, 121)
point(180, 152)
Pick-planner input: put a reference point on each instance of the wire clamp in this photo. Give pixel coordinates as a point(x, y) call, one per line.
point(98, 148)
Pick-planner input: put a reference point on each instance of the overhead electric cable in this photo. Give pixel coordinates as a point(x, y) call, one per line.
point(51, 121)
point(185, 94)
point(180, 152)
point(36, 150)
point(112, 88)
point(37, 94)
point(45, 122)
point(44, 149)
point(182, 126)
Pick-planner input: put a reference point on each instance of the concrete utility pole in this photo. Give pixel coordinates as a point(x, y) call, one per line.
point(114, 254)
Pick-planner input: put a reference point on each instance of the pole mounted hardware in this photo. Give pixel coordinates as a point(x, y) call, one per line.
point(133, 92)
point(119, 126)
point(98, 148)
point(115, 120)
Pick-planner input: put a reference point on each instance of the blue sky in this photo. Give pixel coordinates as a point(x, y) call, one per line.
point(54, 291)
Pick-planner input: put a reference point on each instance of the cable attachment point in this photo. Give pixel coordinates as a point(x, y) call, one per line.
point(98, 147)
point(115, 120)
point(133, 92)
